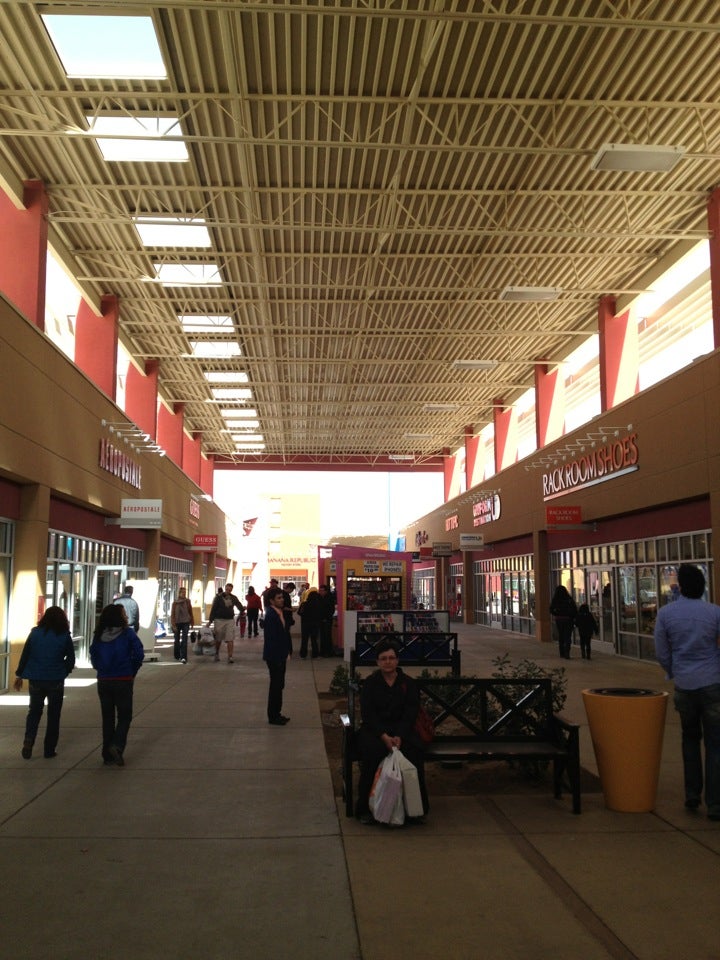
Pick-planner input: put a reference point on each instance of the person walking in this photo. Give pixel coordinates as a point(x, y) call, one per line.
point(276, 651)
point(326, 620)
point(181, 619)
point(587, 628)
point(131, 608)
point(687, 634)
point(116, 653)
point(310, 612)
point(253, 605)
point(222, 614)
point(564, 612)
point(47, 658)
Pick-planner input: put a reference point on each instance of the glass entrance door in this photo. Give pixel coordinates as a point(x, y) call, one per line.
point(601, 600)
point(106, 585)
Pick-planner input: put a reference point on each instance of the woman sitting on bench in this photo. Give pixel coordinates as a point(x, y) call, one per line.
point(389, 704)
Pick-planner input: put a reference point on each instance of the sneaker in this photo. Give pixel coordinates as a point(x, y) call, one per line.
point(27, 749)
point(230, 660)
point(183, 660)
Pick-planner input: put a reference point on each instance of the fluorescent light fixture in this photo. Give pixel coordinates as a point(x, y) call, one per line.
point(470, 364)
point(245, 438)
point(529, 294)
point(418, 436)
point(214, 349)
point(208, 323)
point(249, 447)
point(225, 376)
point(401, 456)
point(232, 426)
point(441, 407)
point(188, 274)
point(138, 138)
point(106, 46)
point(636, 157)
point(172, 232)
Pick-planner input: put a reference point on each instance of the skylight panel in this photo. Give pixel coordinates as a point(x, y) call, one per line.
point(234, 425)
point(139, 138)
point(206, 324)
point(172, 232)
point(214, 349)
point(225, 376)
point(106, 46)
point(247, 438)
point(236, 393)
point(188, 274)
point(238, 412)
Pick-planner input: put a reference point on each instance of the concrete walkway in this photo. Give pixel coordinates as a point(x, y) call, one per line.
point(221, 838)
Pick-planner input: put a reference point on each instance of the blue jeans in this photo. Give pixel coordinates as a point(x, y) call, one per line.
point(180, 636)
point(700, 722)
point(53, 690)
point(116, 707)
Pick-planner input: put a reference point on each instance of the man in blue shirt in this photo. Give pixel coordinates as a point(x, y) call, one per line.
point(687, 634)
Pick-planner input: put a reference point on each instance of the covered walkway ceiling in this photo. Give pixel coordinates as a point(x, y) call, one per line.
point(373, 177)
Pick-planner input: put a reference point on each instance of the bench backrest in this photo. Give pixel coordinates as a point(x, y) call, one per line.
point(486, 708)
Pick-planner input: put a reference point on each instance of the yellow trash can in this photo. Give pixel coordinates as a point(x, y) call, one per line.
point(627, 725)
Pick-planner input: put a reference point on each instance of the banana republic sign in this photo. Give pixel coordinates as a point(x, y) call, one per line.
point(613, 460)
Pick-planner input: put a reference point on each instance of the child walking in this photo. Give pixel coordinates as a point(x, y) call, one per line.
point(587, 626)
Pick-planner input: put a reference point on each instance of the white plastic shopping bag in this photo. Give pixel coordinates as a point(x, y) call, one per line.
point(386, 790)
point(410, 785)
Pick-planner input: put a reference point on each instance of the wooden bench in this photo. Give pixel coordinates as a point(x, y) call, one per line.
point(480, 719)
point(414, 650)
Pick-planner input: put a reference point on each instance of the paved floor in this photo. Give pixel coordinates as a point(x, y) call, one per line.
point(221, 838)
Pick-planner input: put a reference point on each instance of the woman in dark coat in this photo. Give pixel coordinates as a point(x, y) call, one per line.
point(564, 612)
point(389, 705)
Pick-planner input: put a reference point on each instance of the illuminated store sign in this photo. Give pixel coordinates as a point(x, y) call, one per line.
point(486, 510)
point(452, 523)
point(119, 464)
point(613, 460)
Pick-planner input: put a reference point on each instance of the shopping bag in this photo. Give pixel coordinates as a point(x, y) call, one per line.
point(412, 798)
point(386, 789)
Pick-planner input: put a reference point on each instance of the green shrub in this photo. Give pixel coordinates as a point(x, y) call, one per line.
point(340, 680)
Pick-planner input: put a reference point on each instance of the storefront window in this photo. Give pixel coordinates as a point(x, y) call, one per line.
point(647, 597)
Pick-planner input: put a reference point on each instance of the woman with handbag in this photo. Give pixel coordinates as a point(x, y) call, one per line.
point(389, 706)
point(181, 619)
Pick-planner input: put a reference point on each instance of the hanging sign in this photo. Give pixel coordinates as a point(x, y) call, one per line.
point(141, 514)
point(472, 541)
point(206, 542)
point(442, 549)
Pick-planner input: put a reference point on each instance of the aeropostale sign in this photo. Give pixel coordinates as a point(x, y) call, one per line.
point(615, 459)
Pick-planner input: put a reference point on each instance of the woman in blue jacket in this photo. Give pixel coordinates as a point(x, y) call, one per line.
point(117, 653)
point(47, 658)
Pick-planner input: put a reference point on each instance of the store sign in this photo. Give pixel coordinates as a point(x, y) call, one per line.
point(205, 542)
point(613, 460)
point(452, 523)
point(141, 514)
point(370, 567)
point(119, 464)
point(472, 541)
point(194, 510)
point(442, 550)
point(394, 567)
point(486, 510)
point(561, 516)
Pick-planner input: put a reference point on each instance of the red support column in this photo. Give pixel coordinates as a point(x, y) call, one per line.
point(549, 405)
point(506, 440)
point(191, 456)
point(473, 469)
point(713, 213)
point(448, 466)
point(619, 354)
point(170, 431)
point(141, 393)
point(207, 474)
point(96, 340)
point(23, 251)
